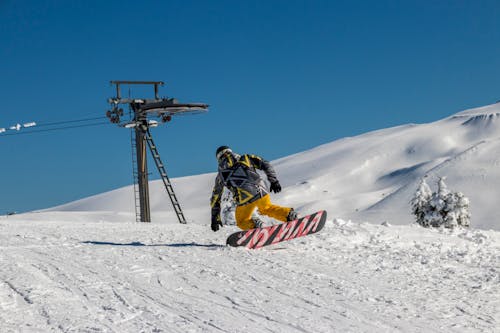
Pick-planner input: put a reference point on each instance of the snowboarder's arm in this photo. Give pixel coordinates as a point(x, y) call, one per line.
point(215, 203)
point(261, 164)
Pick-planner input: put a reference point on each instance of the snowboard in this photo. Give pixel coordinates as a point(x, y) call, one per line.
point(259, 237)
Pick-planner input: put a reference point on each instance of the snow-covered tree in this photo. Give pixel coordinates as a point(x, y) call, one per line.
point(420, 201)
point(441, 208)
point(457, 211)
point(228, 208)
point(438, 206)
point(442, 197)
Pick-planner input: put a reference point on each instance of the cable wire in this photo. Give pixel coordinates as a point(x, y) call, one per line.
point(54, 129)
point(68, 121)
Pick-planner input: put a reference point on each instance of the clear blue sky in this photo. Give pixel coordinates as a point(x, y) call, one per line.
point(280, 77)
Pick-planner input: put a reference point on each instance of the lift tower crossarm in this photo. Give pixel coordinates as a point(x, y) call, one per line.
point(155, 83)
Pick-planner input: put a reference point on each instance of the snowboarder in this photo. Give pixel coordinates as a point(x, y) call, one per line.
point(239, 174)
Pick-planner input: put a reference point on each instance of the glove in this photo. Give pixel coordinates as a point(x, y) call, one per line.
point(276, 187)
point(216, 222)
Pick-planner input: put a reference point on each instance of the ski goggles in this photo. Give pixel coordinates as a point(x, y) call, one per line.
point(222, 152)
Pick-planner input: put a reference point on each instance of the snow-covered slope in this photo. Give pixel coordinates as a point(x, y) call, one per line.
point(370, 177)
point(86, 267)
point(71, 276)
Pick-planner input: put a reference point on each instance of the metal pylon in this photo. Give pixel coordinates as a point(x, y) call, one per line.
point(142, 172)
point(143, 110)
point(137, 200)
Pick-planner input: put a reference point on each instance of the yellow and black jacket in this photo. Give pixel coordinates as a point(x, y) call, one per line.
point(239, 174)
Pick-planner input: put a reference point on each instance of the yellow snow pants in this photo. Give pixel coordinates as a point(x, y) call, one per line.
point(243, 213)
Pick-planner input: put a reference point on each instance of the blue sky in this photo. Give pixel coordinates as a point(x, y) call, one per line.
point(280, 77)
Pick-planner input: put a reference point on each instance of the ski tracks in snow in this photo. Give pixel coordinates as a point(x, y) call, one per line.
point(125, 277)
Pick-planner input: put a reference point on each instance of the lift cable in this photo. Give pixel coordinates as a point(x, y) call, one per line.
point(69, 121)
point(54, 129)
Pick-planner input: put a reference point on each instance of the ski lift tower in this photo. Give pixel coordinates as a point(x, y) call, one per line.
point(142, 112)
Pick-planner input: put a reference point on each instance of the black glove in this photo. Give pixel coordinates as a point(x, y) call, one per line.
point(216, 222)
point(276, 187)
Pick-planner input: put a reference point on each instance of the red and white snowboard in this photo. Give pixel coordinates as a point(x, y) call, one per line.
point(259, 237)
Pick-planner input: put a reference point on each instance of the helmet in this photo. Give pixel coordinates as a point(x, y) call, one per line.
point(221, 151)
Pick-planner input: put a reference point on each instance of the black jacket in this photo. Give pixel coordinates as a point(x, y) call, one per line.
point(239, 174)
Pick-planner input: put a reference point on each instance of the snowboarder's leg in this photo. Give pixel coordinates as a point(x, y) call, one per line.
point(266, 207)
point(243, 216)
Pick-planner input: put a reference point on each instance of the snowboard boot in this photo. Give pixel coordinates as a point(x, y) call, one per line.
point(292, 215)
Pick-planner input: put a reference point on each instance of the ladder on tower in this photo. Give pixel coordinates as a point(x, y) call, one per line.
point(164, 177)
point(137, 200)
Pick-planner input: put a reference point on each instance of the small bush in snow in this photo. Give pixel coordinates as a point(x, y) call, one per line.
point(228, 208)
point(420, 203)
point(441, 208)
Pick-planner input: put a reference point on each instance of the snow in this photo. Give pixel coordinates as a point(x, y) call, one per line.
point(87, 267)
point(130, 277)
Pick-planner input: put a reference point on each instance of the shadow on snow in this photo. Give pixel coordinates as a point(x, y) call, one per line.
point(153, 245)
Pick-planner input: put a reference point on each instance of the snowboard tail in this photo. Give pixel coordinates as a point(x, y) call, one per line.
point(259, 237)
